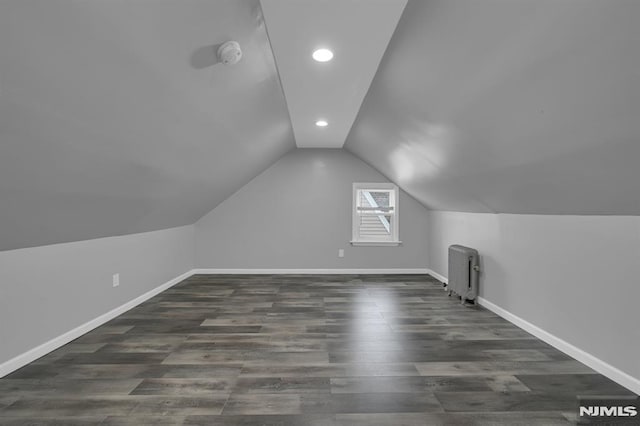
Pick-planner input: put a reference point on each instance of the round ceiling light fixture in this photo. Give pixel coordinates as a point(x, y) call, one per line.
point(322, 123)
point(229, 52)
point(322, 55)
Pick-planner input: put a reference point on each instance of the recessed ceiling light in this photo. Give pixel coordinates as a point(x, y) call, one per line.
point(322, 55)
point(322, 123)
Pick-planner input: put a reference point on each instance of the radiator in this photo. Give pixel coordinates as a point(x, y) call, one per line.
point(463, 272)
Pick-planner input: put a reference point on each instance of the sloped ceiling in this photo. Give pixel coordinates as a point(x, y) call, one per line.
point(356, 31)
point(509, 106)
point(115, 118)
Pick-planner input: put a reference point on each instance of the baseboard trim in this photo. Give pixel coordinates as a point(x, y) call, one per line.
point(53, 344)
point(33, 354)
point(440, 278)
point(213, 271)
point(597, 364)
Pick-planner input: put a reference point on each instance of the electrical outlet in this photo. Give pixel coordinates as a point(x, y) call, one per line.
point(340, 252)
point(116, 280)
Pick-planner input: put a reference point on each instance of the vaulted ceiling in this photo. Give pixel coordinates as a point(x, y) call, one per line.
point(510, 106)
point(356, 32)
point(115, 117)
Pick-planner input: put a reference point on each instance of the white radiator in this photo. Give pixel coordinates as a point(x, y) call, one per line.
point(464, 268)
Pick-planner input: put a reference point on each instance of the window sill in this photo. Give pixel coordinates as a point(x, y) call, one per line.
point(376, 243)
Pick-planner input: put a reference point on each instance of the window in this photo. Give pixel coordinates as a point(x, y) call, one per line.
point(375, 214)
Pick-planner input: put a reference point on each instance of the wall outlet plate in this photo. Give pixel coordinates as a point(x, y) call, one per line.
point(116, 280)
point(340, 252)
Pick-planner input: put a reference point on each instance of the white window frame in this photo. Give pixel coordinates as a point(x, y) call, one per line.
point(395, 233)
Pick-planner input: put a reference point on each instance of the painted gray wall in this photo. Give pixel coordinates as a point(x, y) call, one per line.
point(50, 290)
point(573, 276)
point(297, 214)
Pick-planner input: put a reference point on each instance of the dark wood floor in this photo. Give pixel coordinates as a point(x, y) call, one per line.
point(302, 350)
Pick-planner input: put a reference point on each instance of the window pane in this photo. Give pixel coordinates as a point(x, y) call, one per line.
point(374, 227)
point(375, 214)
point(381, 198)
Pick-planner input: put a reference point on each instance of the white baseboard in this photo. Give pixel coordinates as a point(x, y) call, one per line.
point(311, 271)
point(53, 344)
point(597, 364)
point(440, 278)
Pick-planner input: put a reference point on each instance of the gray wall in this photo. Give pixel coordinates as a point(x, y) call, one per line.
point(575, 277)
point(47, 291)
point(297, 214)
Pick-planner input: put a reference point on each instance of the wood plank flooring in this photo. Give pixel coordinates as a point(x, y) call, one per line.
point(302, 350)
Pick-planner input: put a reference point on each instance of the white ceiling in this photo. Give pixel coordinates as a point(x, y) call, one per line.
point(357, 31)
point(510, 106)
point(115, 118)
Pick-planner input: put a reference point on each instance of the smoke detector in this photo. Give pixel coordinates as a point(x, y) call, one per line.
point(229, 52)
